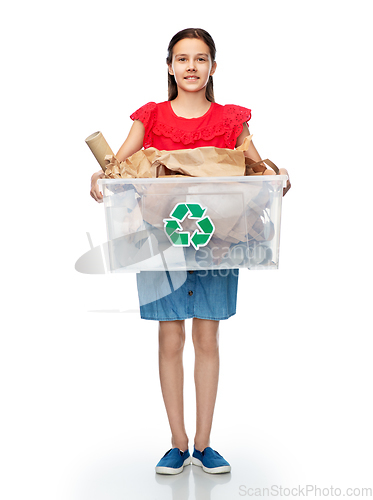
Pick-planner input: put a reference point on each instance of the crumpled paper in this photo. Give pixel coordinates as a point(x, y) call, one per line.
point(199, 162)
point(236, 218)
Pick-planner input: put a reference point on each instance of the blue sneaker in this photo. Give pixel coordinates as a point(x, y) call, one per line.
point(173, 461)
point(210, 461)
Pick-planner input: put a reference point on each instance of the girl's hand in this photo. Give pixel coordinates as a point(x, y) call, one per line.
point(283, 171)
point(95, 192)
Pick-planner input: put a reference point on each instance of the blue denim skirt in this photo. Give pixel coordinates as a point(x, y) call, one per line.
point(172, 295)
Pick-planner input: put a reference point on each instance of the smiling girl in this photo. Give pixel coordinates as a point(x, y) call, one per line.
point(189, 119)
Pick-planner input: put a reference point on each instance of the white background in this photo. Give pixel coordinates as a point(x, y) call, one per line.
point(82, 413)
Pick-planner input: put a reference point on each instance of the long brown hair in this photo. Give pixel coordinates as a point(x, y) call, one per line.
point(191, 33)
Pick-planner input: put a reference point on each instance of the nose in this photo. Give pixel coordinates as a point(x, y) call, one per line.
point(191, 66)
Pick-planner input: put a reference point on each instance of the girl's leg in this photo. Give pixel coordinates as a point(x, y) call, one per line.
point(171, 345)
point(205, 334)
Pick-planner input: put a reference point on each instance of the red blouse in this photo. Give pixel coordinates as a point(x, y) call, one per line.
point(219, 126)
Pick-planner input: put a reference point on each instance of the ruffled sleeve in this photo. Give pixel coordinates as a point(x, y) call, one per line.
point(234, 118)
point(146, 114)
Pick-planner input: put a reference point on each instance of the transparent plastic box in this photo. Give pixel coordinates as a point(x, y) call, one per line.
point(192, 223)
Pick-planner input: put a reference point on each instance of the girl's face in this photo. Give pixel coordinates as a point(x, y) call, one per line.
point(191, 64)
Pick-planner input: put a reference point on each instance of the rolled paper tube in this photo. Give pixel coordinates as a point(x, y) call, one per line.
point(99, 147)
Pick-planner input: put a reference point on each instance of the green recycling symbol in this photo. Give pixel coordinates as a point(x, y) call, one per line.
point(174, 229)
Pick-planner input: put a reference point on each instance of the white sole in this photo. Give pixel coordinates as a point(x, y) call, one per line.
point(170, 470)
point(215, 470)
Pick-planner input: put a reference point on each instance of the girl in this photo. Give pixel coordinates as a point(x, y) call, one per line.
point(189, 119)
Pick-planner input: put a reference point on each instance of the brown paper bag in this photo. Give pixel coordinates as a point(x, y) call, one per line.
point(200, 162)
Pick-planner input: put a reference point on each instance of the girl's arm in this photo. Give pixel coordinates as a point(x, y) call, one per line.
point(251, 152)
point(131, 145)
point(254, 155)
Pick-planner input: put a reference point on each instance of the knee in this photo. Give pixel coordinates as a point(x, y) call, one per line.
point(206, 340)
point(171, 338)
point(205, 345)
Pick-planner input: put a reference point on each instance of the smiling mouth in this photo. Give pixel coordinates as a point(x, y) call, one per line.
point(191, 78)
